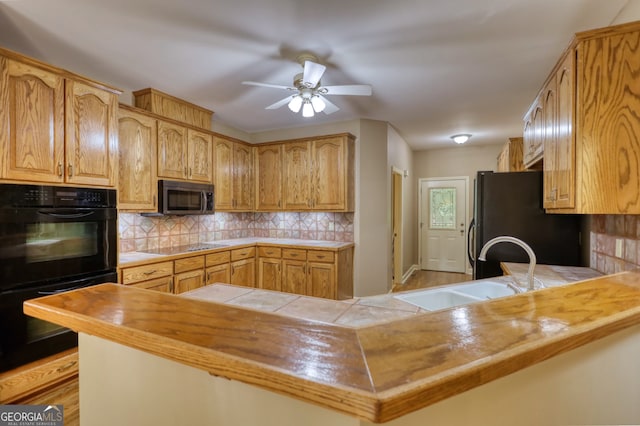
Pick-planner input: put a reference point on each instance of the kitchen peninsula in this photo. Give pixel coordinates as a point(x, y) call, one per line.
point(533, 358)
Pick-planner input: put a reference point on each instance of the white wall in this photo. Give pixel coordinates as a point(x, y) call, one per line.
point(631, 12)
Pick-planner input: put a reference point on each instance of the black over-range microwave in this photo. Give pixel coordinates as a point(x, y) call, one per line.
point(182, 198)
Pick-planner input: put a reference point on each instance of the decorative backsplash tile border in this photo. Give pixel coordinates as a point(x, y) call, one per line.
point(143, 233)
point(606, 230)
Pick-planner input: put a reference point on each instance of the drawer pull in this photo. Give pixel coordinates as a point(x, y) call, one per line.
point(320, 256)
point(66, 366)
point(150, 272)
point(294, 254)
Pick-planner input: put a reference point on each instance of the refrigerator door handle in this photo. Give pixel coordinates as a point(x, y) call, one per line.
point(471, 236)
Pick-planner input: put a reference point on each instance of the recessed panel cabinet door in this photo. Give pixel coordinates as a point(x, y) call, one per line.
point(243, 177)
point(269, 276)
point(329, 159)
point(31, 123)
point(137, 184)
point(91, 137)
point(243, 272)
point(321, 281)
point(172, 151)
point(200, 152)
point(223, 173)
point(294, 276)
point(297, 176)
point(268, 168)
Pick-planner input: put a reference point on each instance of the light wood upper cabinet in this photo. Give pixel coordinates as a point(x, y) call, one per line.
point(232, 175)
point(595, 167)
point(137, 182)
point(172, 151)
point(243, 176)
point(55, 127)
point(559, 169)
point(268, 176)
point(33, 110)
point(533, 142)
point(319, 174)
point(297, 176)
point(91, 137)
point(510, 157)
point(200, 156)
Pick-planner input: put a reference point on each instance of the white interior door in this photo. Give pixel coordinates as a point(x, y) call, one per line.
point(443, 213)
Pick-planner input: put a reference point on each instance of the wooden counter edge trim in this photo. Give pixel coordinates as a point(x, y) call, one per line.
point(350, 401)
point(404, 400)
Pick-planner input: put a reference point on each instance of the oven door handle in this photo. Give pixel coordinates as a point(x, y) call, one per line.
point(60, 290)
point(66, 215)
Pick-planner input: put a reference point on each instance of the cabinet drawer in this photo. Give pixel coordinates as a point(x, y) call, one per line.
point(28, 381)
point(243, 253)
point(164, 284)
point(320, 256)
point(218, 258)
point(146, 272)
point(295, 254)
point(189, 264)
point(269, 252)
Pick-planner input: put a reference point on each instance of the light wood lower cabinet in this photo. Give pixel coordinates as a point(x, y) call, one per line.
point(310, 272)
point(218, 267)
point(53, 380)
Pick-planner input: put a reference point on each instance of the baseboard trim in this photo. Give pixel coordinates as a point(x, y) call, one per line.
point(410, 272)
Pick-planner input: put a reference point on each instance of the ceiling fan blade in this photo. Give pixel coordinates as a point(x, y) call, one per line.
point(280, 103)
point(329, 107)
point(347, 89)
point(312, 74)
point(273, 86)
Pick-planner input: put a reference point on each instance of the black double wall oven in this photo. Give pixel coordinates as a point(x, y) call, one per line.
point(52, 239)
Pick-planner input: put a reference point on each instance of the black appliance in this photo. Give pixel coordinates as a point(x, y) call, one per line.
point(52, 239)
point(512, 204)
point(182, 198)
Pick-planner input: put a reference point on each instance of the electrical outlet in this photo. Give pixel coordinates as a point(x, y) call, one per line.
point(619, 242)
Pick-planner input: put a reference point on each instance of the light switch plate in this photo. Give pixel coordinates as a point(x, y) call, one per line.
point(619, 242)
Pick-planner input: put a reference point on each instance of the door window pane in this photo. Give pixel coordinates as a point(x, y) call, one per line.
point(442, 208)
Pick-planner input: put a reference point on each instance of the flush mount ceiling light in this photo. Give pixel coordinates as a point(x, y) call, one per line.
point(461, 138)
point(309, 94)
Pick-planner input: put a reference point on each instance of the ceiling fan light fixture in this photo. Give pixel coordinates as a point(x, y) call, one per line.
point(295, 103)
point(461, 138)
point(317, 103)
point(307, 109)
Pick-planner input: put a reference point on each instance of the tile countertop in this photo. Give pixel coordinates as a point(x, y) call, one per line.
point(125, 259)
point(549, 275)
point(375, 372)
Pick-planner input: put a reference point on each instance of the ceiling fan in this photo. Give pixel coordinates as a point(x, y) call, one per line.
point(307, 92)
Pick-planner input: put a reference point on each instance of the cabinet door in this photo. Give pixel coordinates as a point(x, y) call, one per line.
point(172, 151)
point(550, 144)
point(297, 176)
point(31, 123)
point(321, 280)
point(91, 135)
point(534, 147)
point(294, 276)
point(243, 272)
point(188, 281)
point(243, 177)
point(223, 173)
point(268, 167)
point(200, 152)
point(269, 275)
point(565, 137)
point(137, 182)
point(218, 274)
point(329, 174)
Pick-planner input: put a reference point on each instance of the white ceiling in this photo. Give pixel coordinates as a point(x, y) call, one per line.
point(437, 67)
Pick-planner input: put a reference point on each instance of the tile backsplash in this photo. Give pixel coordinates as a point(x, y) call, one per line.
point(609, 231)
point(142, 233)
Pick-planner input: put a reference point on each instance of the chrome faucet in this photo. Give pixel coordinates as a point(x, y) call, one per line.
point(519, 242)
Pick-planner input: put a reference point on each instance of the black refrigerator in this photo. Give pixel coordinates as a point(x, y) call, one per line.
point(511, 204)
